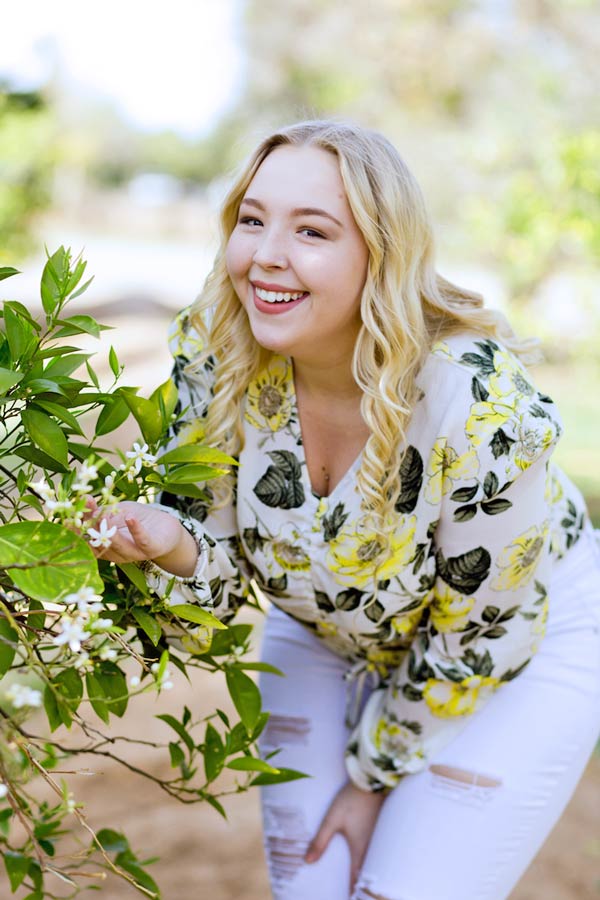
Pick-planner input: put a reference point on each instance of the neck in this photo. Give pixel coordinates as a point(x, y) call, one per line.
point(330, 378)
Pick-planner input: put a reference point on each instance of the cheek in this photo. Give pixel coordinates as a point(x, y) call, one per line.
point(235, 258)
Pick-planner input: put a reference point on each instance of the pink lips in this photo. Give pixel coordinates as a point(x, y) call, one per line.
point(274, 309)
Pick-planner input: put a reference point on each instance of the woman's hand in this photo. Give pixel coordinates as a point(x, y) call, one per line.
point(353, 813)
point(144, 532)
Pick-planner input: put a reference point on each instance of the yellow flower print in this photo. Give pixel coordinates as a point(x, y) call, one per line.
point(183, 337)
point(509, 378)
point(445, 467)
point(447, 699)
point(486, 417)
point(406, 623)
point(383, 660)
point(519, 560)
point(534, 436)
point(449, 609)
point(554, 489)
point(269, 404)
point(191, 432)
point(326, 629)
point(357, 557)
point(290, 556)
point(395, 740)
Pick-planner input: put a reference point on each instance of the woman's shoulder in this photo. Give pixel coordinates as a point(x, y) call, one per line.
point(477, 361)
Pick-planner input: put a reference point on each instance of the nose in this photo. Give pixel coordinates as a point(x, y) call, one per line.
point(270, 252)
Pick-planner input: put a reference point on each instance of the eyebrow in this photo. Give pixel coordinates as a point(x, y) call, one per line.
point(300, 211)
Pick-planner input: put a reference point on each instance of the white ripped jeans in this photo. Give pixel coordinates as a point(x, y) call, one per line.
point(438, 837)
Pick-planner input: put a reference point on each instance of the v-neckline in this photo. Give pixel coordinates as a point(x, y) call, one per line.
point(303, 463)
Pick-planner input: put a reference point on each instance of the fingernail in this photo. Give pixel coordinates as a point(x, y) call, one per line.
point(310, 856)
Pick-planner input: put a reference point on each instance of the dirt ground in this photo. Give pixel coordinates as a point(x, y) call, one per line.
point(202, 857)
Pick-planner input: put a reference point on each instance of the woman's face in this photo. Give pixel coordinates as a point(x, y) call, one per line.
point(297, 259)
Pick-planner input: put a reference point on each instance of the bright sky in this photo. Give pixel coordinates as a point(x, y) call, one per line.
point(174, 64)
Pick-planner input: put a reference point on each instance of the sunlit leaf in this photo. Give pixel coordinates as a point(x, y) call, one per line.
point(192, 613)
point(59, 562)
point(246, 697)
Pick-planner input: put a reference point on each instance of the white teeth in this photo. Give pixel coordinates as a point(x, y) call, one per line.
point(276, 296)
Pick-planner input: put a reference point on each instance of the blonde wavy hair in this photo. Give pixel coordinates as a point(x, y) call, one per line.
point(405, 305)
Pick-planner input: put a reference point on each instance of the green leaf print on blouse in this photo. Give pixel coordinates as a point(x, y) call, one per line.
point(411, 480)
point(281, 486)
point(465, 573)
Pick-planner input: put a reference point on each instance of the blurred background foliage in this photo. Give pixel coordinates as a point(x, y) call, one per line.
point(493, 103)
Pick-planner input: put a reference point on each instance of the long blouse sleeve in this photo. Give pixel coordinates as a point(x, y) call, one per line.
point(220, 581)
point(485, 613)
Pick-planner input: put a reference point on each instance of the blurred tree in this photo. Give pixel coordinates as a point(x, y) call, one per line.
point(27, 158)
point(493, 105)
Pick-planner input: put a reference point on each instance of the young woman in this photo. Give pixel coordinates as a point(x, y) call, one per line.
point(396, 503)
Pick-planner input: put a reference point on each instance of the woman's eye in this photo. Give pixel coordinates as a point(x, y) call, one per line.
point(248, 220)
point(312, 233)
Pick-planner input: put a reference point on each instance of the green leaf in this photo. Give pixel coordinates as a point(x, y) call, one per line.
point(182, 490)
point(111, 841)
point(79, 324)
point(135, 576)
point(281, 776)
point(223, 642)
point(17, 866)
point(191, 474)
point(8, 379)
point(166, 396)
point(41, 459)
point(8, 646)
point(259, 667)
point(113, 362)
point(45, 434)
point(8, 272)
point(92, 375)
point(214, 753)
point(246, 697)
point(195, 453)
point(38, 619)
point(59, 561)
point(96, 696)
point(148, 624)
point(215, 804)
point(177, 755)
point(114, 685)
point(125, 861)
point(112, 415)
point(179, 729)
point(50, 286)
point(192, 613)
point(18, 331)
point(62, 697)
point(61, 413)
point(147, 415)
point(251, 764)
point(65, 365)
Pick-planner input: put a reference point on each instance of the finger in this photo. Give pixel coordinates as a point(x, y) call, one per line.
point(321, 840)
point(140, 536)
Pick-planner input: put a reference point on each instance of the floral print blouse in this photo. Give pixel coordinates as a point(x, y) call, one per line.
point(459, 604)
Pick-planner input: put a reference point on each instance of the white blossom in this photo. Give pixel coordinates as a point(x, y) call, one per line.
point(3, 790)
point(21, 695)
point(165, 683)
point(134, 681)
point(45, 490)
point(100, 537)
point(139, 455)
point(108, 652)
point(86, 474)
point(86, 599)
point(71, 633)
point(106, 493)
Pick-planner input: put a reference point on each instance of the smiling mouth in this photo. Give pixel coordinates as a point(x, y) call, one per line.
point(278, 296)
